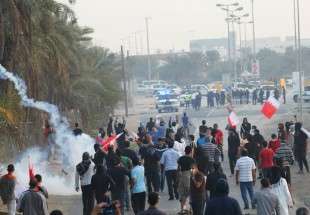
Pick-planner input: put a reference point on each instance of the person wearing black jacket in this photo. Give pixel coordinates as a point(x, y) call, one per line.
point(300, 147)
point(222, 204)
point(99, 156)
point(233, 148)
point(213, 177)
point(151, 164)
point(258, 141)
point(101, 183)
point(118, 174)
point(245, 128)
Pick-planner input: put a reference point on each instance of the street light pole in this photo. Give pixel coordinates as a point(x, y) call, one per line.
point(254, 37)
point(228, 34)
point(149, 68)
point(299, 62)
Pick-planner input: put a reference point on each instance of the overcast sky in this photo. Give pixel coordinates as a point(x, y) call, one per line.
point(174, 22)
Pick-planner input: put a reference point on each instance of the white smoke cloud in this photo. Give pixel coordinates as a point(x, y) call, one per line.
point(57, 176)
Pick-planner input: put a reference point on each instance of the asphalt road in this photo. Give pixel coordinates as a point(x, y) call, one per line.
point(217, 115)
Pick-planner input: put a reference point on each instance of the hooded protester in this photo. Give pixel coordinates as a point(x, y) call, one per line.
point(245, 128)
point(222, 204)
point(101, 183)
point(99, 156)
point(83, 176)
point(300, 147)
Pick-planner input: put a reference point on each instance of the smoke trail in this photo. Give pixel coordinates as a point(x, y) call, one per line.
point(70, 147)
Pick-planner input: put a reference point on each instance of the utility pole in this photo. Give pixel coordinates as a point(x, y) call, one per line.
point(254, 37)
point(299, 62)
point(149, 68)
point(136, 42)
point(228, 34)
point(124, 82)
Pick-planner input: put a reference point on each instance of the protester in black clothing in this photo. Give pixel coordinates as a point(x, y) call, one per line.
point(153, 200)
point(99, 156)
point(118, 174)
point(110, 127)
point(233, 148)
point(245, 128)
point(222, 204)
point(203, 127)
point(101, 183)
point(300, 147)
point(150, 125)
point(258, 141)
point(127, 152)
point(110, 157)
point(77, 131)
point(213, 177)
point(151, 165)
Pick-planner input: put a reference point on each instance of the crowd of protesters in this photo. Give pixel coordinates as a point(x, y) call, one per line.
point(138, 167)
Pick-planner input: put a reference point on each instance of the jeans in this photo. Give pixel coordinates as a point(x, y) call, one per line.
point(138, 202)
point(152, 180)
point(162, 180)
point(88, 199)
point(244, 188)
point(11, 205)
point(172, 182)
point(232, 163)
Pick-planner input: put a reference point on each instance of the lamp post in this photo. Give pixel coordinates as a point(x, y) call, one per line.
point(149, 66)
point(299, 61)
point(226, 7)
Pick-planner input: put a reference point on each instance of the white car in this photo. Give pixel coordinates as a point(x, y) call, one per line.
point(175, 88)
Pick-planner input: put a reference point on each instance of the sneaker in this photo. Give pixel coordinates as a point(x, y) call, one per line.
point(171, 198)
point(246, 207)
point(300, 172)
point(253, 207)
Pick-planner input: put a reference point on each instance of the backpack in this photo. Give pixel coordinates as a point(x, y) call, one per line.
point(201, 140)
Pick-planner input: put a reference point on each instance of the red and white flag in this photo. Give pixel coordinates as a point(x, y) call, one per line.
point(30, 169)
point(270, 107)
point(110, 141)
point(233, 119)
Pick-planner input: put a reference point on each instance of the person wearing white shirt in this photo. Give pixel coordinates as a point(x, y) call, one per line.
point(246, 176)
point(84, 172)
point(169, 161)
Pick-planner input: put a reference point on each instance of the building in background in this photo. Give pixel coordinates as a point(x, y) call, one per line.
point(220, 44)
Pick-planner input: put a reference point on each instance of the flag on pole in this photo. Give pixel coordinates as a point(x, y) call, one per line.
point(30, 169)
point(233, 119)
point(110, 141)
point(270, 107)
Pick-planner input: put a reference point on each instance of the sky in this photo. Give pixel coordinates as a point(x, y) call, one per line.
point(174, 22)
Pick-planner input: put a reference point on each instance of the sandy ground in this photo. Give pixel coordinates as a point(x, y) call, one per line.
point(144, 108)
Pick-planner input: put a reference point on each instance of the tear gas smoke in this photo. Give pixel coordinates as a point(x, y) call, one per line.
point(58, 174)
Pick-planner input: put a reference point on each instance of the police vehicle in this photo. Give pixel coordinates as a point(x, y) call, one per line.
point(166, 101)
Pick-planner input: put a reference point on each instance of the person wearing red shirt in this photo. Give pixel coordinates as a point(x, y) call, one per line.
point(266, 160)
point(218, 136)
point(274, 143)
